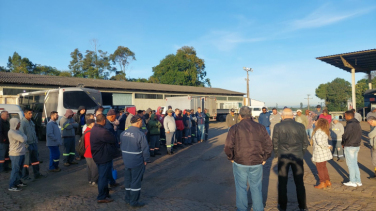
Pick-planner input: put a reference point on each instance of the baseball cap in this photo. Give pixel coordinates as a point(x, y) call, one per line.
point(111, 112)
point(299, 111)
point(169, 111)
point(232, 110)
point(318, 106)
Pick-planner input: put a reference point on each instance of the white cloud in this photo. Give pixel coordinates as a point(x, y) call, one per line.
point(325, 16)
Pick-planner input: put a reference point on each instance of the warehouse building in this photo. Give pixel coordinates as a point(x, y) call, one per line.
point(142, 95)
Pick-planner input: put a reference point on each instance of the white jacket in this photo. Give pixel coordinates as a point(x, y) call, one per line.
point(17, 140)
point(321, 151)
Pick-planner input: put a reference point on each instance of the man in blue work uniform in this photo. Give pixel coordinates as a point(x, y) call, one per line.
point(264, 119)
point(136, 155)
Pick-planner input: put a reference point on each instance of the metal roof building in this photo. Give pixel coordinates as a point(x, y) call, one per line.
point(141, 94)
point(358, 61)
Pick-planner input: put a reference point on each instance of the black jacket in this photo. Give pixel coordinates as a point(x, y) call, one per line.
point(4, 128)
point(248, 143)
point(290, 139)
point(353, 134)
point(103, 144)
point(77, 118)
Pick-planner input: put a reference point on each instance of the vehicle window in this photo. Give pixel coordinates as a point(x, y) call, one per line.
point(14, 115)
point(75, 99)
point(257, 109)
point(105, 111)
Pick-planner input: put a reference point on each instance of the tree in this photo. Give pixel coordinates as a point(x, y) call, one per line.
point(66, 74)
point(183, 68)
point(301, 105)
point(17, 64)
point(75, 65)
point(122, 56)
point(3, 69)
point(119, 77)
point(46, 70)
point(335, 94)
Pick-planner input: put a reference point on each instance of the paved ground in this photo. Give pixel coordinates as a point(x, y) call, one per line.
point(196, 178)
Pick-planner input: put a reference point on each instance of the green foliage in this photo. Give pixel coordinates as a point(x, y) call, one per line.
point(183, 68)
point(122, 56)
point(144, 80)
point(46, 70)
point(335, 94)
point(65, 74)
point(119, 77)
point(75, 65)
point(17, 64)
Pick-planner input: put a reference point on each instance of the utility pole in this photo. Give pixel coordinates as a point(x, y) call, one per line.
point(276, 106)
point(308, 100)
point(247, 79)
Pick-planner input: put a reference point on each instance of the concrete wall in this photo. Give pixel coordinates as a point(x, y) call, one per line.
point(143, 104)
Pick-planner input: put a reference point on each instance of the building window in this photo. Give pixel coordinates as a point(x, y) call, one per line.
point(148, 96)
point(175, 95)
point(235, 98)
point(7, 91)
point(221, 98)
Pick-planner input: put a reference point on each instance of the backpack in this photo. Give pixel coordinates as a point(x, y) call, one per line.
point(80, 148)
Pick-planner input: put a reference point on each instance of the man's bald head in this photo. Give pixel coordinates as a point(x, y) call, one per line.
point(287, 114)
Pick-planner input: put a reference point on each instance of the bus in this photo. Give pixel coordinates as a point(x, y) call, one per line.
point(42, 103)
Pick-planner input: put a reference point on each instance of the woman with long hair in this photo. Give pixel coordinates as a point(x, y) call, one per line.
point(321, 152)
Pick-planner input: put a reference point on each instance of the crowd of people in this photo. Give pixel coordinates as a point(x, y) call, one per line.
point(249, 145)
point(134, 135)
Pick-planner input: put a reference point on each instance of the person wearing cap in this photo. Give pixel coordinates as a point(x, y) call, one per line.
point(336, 134)
point(194, 126)
point(231, 119)
point(92, 169)
point(326, 116)
point(301, 118)
point(170, 128)
point(103, 149)
point(135, 157)
point(264, 119)
point(372, 113)
point(317, 112)
point(68, 128)
point(357, 116)
point(121, 127)
point(275, 118)
point(53, 141)
point(372, 140)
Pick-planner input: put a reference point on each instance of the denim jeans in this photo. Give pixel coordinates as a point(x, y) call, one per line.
point(252, 175)
point(351, 154)
point(187, 135)
point(268, 130)
point(309, 132)
point(15, 176)
point(4, 157)
point(200, 132)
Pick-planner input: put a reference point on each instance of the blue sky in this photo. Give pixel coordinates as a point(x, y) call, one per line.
point(278, 39)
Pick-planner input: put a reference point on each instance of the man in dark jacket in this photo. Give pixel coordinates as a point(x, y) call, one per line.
point(135, 156)
point(103, 149)
point(4, 142)
point(290, 143)
point(351, 141)
point(231, 118)
point(79, 118)
point(248, 146)
point(187, 127)
point(207, 121)
point(110, 118)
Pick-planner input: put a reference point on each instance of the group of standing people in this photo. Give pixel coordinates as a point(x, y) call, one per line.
point(249, 145)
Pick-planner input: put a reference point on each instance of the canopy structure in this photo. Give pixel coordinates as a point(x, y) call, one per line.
point(359, 61)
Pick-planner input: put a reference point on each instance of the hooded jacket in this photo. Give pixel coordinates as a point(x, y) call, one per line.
point(28, 128)
point(353, 134)
point(68, 127)
point(4, 128)
point(160, 116)
point(154, 126)
point(77, 118)
point(128, 121)
point(169, 124)
point(53, 134)
point(179, 122)
point(337, 131)
point(17, 140)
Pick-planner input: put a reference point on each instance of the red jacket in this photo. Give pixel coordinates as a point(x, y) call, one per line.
point(179, 123)
point(87, 144)
point(327, 117)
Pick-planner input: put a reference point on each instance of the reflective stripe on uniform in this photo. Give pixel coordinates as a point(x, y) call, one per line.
point(66, 125)
point(65, 154)
point(136, 189)
point(35, 163)
point(56, 160)
point(144, 128)
point(26, 166)
point(127, 189)
point(7, 159)
point(2, 161)
point(72, 153)
point(133, 153)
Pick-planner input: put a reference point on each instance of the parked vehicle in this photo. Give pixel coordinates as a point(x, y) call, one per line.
point(43, 102)
point(192, 102)
point(14, 111)
point(256, 111)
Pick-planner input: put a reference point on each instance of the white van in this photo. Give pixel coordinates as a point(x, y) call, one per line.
point(14, 111)
point(256, 111)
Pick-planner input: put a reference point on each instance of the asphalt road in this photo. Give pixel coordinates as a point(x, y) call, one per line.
point(198, 177)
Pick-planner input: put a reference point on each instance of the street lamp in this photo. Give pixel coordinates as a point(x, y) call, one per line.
point(247, 79)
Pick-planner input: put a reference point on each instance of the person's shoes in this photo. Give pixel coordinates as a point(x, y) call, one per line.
point(54, 170)
point(39, 176)
point(322, 185)
point(73, 162)
point(359, 184)
point(67, 164)
point(14, 189)
point(351, 184)
point(328, 184)
point(169, 152)
point(138, 204)
point(26, 178)
point(78, 158)
point(114, 185)
point(105, 201)
point(22, 185)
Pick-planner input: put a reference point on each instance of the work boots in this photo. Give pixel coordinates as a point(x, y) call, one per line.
point(322, 185)
point(328, 184)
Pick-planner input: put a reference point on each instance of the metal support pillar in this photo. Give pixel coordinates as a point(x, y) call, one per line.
point(369, 80)
point(353, 88)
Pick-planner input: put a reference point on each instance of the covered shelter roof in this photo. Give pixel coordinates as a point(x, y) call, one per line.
point(59, 81)
point(361, 61)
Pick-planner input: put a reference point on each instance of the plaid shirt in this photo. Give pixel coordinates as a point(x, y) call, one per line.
point(321, 151)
